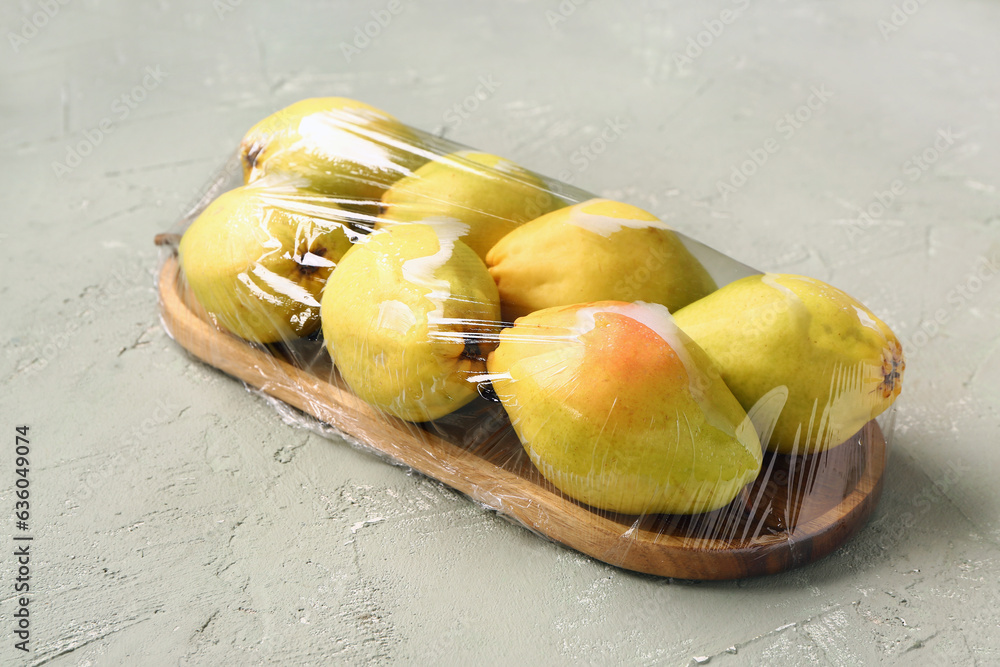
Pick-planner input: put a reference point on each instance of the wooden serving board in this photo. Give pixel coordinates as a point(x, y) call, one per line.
point(799, 509)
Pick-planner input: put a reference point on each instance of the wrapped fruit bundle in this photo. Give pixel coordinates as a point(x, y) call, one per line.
point(571, 361)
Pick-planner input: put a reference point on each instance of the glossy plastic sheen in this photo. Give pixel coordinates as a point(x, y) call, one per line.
point(626, 442)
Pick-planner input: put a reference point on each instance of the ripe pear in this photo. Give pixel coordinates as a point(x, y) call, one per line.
point(796, 340)
point(258, 256)
point(597, 250)
point(619, 410)
point(407, 318)
point(338, 146)
point(486, 192)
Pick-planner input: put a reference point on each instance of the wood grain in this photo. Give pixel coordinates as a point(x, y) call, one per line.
point(798, 510)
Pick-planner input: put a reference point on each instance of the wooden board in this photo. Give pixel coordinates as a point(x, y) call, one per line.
point(800, 508)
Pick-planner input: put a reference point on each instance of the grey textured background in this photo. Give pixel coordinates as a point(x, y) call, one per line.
point(179, 520)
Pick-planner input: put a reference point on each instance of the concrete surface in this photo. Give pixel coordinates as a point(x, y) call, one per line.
point(179, 520)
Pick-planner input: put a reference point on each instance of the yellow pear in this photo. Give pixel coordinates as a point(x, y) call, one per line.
point(257, 258)
point(594, 251)
point(804, 347)
point(408, 317)
point(486, 192)
point(338, 146)
point(620, 410)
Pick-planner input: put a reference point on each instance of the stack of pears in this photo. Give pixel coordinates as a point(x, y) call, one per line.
point(633, 382)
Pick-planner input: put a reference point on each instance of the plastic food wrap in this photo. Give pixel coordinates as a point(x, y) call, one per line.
point(568, 361)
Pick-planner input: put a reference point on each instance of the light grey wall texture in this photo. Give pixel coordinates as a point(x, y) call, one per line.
point(179, 520)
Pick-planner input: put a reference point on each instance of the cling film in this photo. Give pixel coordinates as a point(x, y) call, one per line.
point(571, 362)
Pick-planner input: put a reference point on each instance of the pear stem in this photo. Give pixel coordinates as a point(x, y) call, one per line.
point(167, 239)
